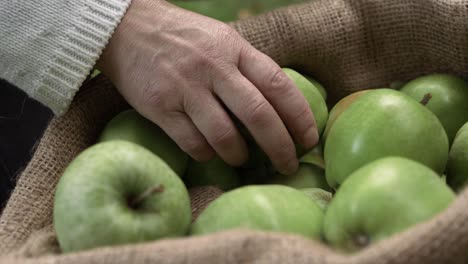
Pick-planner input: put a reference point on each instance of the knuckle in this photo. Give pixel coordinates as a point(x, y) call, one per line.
point(277, 81)
point(195, 147)
point(154, 97)
point(304, 117)
point(204, 60)
point(194, 103)
point(228, 39)
point(191, 105)
point(226, 31)
point(256, 111)
point(224, 136)
point(226, 74)
point(201, 59)
point(249, 53)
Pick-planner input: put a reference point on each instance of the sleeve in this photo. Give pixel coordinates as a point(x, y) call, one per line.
point(48, 47)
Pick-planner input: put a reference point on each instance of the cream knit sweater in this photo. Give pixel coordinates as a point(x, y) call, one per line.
point(48, 47)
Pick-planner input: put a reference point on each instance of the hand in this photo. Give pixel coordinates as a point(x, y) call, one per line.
point(180, 69)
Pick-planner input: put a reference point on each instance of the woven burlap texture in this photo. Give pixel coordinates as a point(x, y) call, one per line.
point(348, 46)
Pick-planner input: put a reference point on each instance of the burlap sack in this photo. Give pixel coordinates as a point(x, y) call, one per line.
point(347, 45)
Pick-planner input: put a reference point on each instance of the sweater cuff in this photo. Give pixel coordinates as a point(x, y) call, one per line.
point(83, 44)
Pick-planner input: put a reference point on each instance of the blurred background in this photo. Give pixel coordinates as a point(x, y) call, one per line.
point(230, 10)
point(23, 120)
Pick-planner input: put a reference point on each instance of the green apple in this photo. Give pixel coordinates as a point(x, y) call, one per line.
point(383, 198)
point(117, 192)
point(339, 108)
point(306, 176)
point(312, 95)
point(445, 95)
point(457, 167)
point(397, 85)
point(310, 174)
point(314, 156)
point(262, 207)
point(382, 123)
point(321, 197)
point(131, 126)
point(94, 73)
point(256, 155)
point(215, 172)
point(319, 87)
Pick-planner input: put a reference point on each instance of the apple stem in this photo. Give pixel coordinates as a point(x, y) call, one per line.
point(150, 191)
point(361, 240)
point(427, 97)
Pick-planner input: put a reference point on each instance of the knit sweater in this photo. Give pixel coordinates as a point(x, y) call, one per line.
point(48, 47)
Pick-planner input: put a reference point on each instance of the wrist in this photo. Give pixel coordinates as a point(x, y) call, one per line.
point(140, 15)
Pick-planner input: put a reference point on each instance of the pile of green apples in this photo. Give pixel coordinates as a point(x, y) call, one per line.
point(388, 159)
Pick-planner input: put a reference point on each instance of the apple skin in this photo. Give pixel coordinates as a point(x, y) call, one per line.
point(449, 100)
point(310, 174)
point(319, 87)
point(457, 167)
point(383, 123)
point(321, 197)
point(307, 176)
point(314, 156)
point(339, 108)
point(91, 207)
point(131, 126)
point(262, 207)
point(215, 172)
point(312, 95)
point(383, 198)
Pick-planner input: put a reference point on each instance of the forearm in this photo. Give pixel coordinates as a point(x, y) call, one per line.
point(49, 47)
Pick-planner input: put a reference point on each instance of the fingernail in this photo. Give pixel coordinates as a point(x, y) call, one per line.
point(291, 167)
point(310, 138)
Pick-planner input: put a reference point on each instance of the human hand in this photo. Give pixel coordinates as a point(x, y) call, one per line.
point(180, 70)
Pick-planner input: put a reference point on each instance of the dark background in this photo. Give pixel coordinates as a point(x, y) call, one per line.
point(22, 122)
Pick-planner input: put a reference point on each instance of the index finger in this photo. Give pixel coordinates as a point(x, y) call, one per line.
point(282, 93)
point(250, 106)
